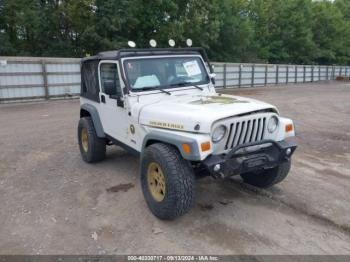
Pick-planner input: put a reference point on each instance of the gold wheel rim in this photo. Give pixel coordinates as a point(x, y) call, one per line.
point(84, 139)
point(156, 181)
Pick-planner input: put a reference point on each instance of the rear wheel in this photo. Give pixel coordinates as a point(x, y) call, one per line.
point(269, 177)
point(92, 147)
point(168, 181)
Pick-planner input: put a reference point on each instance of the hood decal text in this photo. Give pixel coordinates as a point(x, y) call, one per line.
point(166, 125)
point(217, 100)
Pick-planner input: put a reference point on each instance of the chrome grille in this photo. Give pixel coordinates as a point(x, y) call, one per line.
point(245, 131)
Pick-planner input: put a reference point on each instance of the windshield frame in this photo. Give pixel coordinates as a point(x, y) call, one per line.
point(163, 87)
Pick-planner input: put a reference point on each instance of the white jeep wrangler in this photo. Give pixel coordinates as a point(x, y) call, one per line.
point(161, 104)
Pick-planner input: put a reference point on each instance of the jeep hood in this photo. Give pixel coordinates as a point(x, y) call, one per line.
point(184, 112)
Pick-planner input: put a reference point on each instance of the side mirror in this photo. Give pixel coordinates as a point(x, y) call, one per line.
point(110, 88)
point(120, 101)
point(212, 77)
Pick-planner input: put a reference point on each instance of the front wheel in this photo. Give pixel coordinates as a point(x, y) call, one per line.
point(269, 177)
point(167, 180)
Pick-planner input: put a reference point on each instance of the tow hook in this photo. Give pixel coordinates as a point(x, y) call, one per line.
point(217, 172)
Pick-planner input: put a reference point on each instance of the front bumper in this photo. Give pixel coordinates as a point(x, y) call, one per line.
point(250, 157)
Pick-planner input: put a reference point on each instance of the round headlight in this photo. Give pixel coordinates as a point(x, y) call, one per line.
point(219, 133)
point(272, 124)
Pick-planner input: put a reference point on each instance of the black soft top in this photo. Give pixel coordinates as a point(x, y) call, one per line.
point(130, 52)
point(89, 66)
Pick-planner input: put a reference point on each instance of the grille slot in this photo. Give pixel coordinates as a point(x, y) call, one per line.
point(236, 135)
point(230, 137)
point(245, 131)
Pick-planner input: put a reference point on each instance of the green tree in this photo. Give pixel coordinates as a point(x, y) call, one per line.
point(63, 27)
point(258, 11)
point(236, 33)
point(284, 31)
point(18, 24)
point(330, 33)
point(344, 7)
point(278, 31)
point(141, 20)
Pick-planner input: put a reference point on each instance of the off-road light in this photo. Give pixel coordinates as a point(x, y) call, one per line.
point(219, 133)
point(288, 151)
point(272, 124)
point(217, 168)
point(131, 44)
point(153, 43)
point(189, 42)
point(171, 42)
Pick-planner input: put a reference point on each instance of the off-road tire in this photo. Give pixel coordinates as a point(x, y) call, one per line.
point(96, 145)
point(179, 180)
point(269, 177)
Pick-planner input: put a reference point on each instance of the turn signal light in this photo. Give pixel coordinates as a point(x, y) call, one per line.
point(205, 146)
point(186, 148)
point(289, 128)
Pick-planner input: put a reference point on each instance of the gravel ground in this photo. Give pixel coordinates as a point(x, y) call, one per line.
point(54, 203)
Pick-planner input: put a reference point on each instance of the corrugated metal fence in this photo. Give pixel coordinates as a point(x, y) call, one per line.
point(28, 78)
point(248, 75)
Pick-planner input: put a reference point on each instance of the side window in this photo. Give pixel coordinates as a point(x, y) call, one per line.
point(89, 77)
point(89, 80)
point(110, 84)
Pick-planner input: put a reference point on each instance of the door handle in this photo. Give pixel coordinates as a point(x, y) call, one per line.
point(103, 99)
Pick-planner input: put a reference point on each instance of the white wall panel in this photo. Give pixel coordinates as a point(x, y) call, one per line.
point(62, 68)
point(23, 77)
point(20, 68)
point(21, 80)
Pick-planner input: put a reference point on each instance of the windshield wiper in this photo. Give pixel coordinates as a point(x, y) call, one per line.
point(187, 83)
point(146, 88)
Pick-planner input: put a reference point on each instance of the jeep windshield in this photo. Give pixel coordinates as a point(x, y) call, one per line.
point(165, 72)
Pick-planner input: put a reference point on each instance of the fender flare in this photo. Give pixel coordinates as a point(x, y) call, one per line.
point(176, 140)
point(95, 118)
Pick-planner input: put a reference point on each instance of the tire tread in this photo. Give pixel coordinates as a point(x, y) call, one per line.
point(97, 145)
point(180, 177)
point(268, 178)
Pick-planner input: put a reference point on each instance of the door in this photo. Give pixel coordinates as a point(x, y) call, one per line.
point(112, 112)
